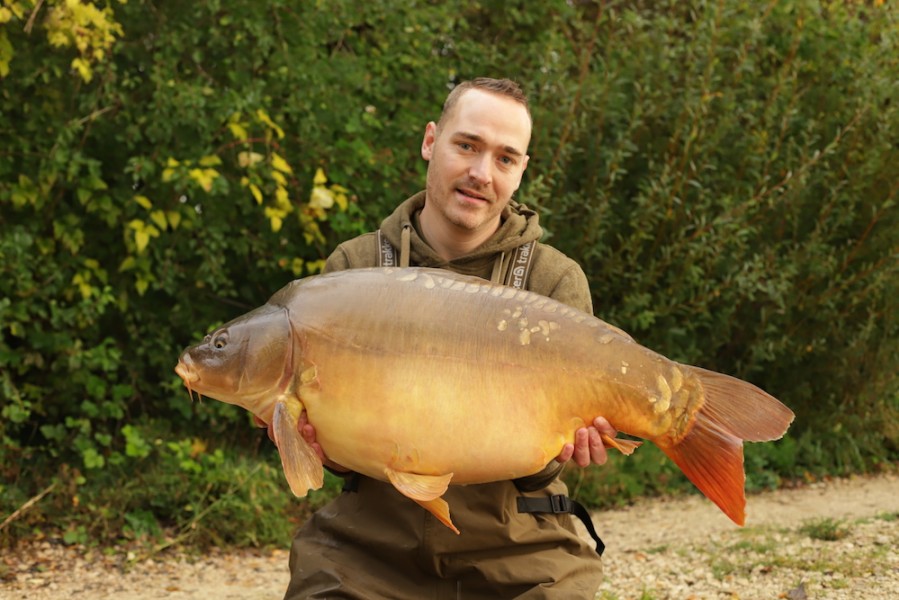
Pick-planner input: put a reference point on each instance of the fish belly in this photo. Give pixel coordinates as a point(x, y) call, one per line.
point(432, 376)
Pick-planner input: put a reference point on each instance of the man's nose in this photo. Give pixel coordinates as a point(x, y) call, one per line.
point(481, 170)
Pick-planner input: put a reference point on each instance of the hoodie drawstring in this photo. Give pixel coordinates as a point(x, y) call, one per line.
point(405, 245)
point(497, 275)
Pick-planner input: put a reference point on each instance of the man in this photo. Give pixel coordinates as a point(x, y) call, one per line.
point(372, 542)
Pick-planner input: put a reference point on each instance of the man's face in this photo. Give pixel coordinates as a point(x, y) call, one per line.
point(476, 160)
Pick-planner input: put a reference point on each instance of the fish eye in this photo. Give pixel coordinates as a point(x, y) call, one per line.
point(221, 340)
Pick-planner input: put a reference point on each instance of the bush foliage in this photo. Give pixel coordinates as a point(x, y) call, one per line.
point(724, 171)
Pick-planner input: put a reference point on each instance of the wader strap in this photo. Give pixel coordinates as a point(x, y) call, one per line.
point(386, 252)
point(520, 266)
point(560, 503)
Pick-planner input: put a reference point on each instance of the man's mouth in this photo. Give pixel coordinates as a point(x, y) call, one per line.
point(472, 194)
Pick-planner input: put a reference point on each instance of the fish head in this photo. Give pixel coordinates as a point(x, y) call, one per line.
point(246, 361)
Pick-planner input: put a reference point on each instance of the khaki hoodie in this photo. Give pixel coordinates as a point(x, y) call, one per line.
point(552, 273)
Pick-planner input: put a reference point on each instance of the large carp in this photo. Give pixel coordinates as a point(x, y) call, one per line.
point(425, 378)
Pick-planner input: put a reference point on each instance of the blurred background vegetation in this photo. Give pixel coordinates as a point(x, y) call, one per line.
point(725, 171)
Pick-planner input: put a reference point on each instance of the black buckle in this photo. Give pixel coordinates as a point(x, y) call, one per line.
point(560, 503)
point(557, 504)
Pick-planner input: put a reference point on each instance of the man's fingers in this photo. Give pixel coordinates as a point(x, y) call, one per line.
point(597, 448)
point(565, 454)
point(581, 447)
point(306, 430)
point(603, 427)
point(588, 447)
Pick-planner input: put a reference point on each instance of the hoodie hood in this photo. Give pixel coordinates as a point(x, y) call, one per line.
point(519, 225)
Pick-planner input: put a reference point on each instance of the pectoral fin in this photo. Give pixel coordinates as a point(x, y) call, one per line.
point(302, 466)
point(626, 447)
point(426, 490)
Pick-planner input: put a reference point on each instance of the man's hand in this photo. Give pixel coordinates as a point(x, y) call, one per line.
point(308, 432)
point(588, 447)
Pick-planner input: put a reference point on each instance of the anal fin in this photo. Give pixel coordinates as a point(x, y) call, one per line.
point(302, 466)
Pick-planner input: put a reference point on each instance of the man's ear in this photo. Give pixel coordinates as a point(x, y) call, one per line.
point(524, 166)
point(427, 143)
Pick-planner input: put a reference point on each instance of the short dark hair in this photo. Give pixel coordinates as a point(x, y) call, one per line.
point(500, 87)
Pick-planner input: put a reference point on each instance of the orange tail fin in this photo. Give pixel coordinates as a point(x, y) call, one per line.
point(711, 454)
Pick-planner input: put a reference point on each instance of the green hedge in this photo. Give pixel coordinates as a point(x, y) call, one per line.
point(725, 172)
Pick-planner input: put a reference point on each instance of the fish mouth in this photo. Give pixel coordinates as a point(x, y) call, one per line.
point(189, 376)
point(186, 373)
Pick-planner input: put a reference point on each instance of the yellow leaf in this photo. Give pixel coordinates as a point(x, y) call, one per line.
point(281, 198)
point(321, 198)
point(275, 216)
point(142, 284)
point(84, 69)
point(171, 163)
point(248, 159)
point(204, 177)
point(167, 175)
point(320, 178)
point(159, 218)
point(127, 264)
point(315, 266)
point(281, 164)
point(84, 287)
point(137, 224)
point(279, 178)
point(263, 116)
point(174, 218)
point(257, 193)
point(210, 161)
point(143, 201)
point(296, 266)
point(341, 200)
point(238, 131)
point(141, 239)
point(6, 53)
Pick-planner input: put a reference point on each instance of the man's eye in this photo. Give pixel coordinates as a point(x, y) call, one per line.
point(506, 160)
point(464, 146)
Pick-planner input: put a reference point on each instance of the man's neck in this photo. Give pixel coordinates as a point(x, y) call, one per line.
point(450, 241)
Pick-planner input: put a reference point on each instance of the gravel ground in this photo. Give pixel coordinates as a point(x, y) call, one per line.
point(681, 549)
